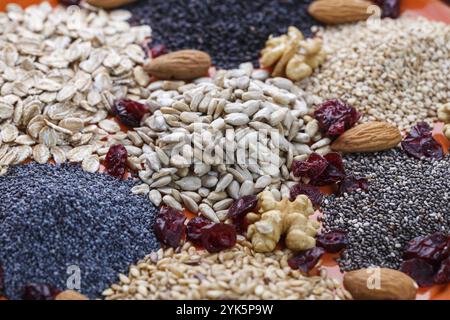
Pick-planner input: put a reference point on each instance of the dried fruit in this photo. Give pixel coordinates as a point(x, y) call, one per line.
point(129, 112)
point(335, 117)
point(443, 274)
point(169, 226)
point(420, 270)
point(368, 137)
point(116, 160)
point(389, 8)
point(70, 295)
point(180, 65)
point(306, 260)
point(158, 50)
point(380, 284)
point(433, 248)
point(333, 241)
point(39, 291)
point(352, 183)
point(339, 11)
point(419, 142)
point(320, 170)
point(242, 206)
point(109, 4)
point(312, 192)
point(194, 228)
point(218, 236)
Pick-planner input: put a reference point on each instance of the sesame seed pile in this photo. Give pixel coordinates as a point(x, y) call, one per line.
point(56, 218)
point(395, 71)
point(407, 198)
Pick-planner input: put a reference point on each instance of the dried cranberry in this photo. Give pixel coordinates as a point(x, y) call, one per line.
point(333, 241)
point(129, 112)
point(39, 291)
point(433, 248)
point(194, 228)
point(312, 192)
point(320, 170)
point(352, 183)
point(419, 142)
point(242, 206)
point(218, 236)
point(443, 274)
point(420, 270)
point(335, 117)
point(389, 8)
point(157, 50)
point(116, 160)
point(169, 226)
point(68, 3)
point(306, 260)
point(241, 224)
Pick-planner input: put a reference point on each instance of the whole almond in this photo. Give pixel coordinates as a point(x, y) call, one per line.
point(339, 11)
point(109, 4)
point(368, 137)
point(180, 65)
point(70, 295)
point(380, 284)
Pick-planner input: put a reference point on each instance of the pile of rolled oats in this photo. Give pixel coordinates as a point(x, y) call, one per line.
point(238, 273)
point(60, 71)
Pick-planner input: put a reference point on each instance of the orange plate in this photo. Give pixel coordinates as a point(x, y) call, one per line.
point(432, 9)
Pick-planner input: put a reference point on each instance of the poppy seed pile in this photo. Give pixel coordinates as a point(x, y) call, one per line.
point(231, 31)
point(59, 221)
point(407, 198)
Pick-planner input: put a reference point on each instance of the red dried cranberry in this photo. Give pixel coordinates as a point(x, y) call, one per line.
point(169, 226)
point(443, 274)
point(389, 8)
point(306, 260)
point(242, 206)
point(419, 142)
point(39, 291)
point(157, 50)
point(333, 241)
point(320, 170)
point(129, 112)
point(352, 183)
point(218, 236)
point(335, 117)
point(420, 270)
point(68, 3)
point(433, 248)
point(116, 160)
point(312, 192)
point(194, 228)
point(241, 224)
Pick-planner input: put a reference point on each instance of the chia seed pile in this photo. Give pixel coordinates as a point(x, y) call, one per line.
point(231, 31)
point(406, 198)
point(52, 217)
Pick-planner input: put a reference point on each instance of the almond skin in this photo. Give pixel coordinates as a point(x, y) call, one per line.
point(109, 4)
point(368, 137)
point(393, 284)
point(339, 11)
point(70, 295)
point(180, 65)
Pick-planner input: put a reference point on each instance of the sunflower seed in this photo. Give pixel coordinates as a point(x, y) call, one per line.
point(189, 203)
point(142, 188)
point(171, 202)
point(155, 197)
point(208, 212)
point(189, 183)
point(224, 182)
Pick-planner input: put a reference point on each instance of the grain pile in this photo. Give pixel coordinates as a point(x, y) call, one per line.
point(238, 273)
point(397, 71)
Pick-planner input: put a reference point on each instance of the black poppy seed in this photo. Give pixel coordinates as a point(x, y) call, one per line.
point(53, 217)
point(406, 198)
point(231, 31)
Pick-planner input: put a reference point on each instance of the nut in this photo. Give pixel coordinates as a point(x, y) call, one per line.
point(70, 295)
point(368, 137)
point(180, 65)
point(380, 284)
point(339, 11)
point(109, 4)
point(444, 113)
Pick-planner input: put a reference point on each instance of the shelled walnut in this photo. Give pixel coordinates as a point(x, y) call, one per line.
point(276, 218)
point(292, 56)
point(444, 113)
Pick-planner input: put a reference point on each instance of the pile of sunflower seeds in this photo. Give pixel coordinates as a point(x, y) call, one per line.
point(238, 273)
point(406, 198)
point(60, 71)
point(221, 138)
point(395, 70)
